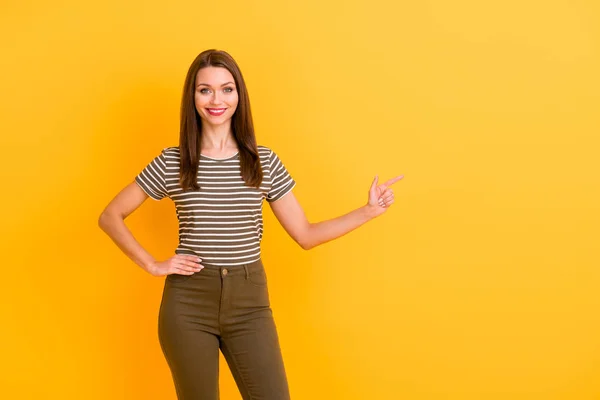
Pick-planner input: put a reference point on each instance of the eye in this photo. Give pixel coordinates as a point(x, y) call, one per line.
point(228, 88)
point(203, 90)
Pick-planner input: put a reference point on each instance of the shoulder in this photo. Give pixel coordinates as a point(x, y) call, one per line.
point(170, 153)
point(171, 150)
point(167, 155)
point(264, 150)
point(265, 154)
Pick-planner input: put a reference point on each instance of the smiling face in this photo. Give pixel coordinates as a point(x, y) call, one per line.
point(216, 95)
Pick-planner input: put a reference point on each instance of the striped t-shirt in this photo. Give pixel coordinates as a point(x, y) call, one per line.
point(222, 221)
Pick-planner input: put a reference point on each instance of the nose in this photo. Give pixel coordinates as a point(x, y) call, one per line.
point(216, 99)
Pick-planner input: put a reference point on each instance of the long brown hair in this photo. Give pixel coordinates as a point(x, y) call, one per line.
point(241, 124)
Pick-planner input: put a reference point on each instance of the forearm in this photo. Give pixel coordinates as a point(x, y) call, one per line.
point(324, 231)
point(114, 226)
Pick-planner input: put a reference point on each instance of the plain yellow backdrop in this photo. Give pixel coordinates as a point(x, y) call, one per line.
point(481, 282)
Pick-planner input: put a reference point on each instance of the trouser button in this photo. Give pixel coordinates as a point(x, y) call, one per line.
point(224, 271)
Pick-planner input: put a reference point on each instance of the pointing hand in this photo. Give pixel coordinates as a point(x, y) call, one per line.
point(381, 197)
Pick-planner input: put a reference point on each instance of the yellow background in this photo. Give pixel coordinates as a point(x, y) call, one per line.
point(481, 282)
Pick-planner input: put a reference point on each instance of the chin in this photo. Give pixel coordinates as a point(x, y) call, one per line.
point(215, 121)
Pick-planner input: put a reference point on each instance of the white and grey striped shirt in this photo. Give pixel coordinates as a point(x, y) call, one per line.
point(222, 221)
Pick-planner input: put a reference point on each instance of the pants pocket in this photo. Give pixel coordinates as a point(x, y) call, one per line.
point(177, 278)
point(257, 277)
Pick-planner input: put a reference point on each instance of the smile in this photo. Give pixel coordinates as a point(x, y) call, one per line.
point(216, 111)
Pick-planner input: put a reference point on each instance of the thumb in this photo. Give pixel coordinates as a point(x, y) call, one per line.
point(374, 184)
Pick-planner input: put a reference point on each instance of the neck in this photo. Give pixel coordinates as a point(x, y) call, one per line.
point(217, 137)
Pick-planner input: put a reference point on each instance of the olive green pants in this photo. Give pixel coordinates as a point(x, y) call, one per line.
point(224, 308)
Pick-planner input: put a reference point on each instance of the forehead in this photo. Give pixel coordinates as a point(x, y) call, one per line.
point(214, 76)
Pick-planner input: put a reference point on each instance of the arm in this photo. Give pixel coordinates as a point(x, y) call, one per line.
point(308, 235)
point(112, 222)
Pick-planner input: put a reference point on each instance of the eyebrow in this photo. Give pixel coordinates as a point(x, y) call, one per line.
point(206, 84)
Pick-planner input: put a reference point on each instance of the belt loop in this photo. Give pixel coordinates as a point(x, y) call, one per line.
point(246, 269)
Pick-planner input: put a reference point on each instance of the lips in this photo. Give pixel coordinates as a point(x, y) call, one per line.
point(216, 111)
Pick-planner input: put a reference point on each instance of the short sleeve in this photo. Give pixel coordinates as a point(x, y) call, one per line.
point(282, 182)
point(152, 178)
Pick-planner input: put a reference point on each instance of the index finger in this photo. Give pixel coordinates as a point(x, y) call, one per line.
point(393, 180)
point(190, 257)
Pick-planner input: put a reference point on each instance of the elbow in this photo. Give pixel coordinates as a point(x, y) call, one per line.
point(305, 239)
point(306, 244)
point(102, 221)
point(105, 220)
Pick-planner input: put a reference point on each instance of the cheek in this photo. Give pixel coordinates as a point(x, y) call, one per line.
point(234, 100)
point(200, 104)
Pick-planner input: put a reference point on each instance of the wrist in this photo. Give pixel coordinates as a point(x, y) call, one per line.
point(370, 211)
point(149, 266)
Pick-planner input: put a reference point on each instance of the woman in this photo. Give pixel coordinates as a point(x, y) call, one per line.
point(215, 295)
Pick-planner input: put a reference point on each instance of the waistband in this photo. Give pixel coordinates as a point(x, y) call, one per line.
point(243, 269)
